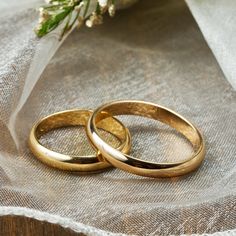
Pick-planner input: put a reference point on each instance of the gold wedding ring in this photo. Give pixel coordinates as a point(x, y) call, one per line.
point(75, 118)
point(107, 154)
point(138, 166)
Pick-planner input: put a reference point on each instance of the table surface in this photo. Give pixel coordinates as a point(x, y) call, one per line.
point(23, 226)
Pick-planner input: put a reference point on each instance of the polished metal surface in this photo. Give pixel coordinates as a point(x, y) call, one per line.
point(75, 118)
point(153, 111)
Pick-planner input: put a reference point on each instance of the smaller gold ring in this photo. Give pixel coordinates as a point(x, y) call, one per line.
point(75, 117)
point(156, 112)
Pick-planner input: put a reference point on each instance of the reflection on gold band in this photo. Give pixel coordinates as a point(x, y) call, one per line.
point(75, 118)
point(156, 112)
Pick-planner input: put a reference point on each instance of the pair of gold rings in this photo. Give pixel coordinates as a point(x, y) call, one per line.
point(107, 154)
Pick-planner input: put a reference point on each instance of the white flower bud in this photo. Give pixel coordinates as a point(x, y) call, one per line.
point(89, 23)
point(79, 7)
point(111, 10)
point(43, 13)
point(103, 3)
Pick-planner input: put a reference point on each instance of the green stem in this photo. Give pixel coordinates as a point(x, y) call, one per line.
point(86, 8)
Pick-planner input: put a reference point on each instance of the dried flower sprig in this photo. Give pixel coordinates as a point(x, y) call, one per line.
point(73, 12)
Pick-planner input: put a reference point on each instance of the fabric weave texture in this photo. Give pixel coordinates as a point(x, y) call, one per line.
point(153, 51)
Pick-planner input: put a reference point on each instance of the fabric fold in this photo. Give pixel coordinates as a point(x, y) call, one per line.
point(155, 52)
point(217, 21)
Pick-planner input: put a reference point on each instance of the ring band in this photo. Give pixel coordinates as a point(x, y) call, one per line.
point(156, 112)
point(75, 118)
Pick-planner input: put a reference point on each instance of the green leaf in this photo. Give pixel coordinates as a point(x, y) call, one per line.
point(53, 21)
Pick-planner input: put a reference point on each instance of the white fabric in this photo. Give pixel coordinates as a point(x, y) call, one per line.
point(217, 21)
point(154, 52)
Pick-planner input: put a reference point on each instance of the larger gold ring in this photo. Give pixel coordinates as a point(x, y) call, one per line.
point(75, 118)
point(137, 166)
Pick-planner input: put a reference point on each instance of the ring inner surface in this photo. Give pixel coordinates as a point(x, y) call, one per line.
point(80, 118)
